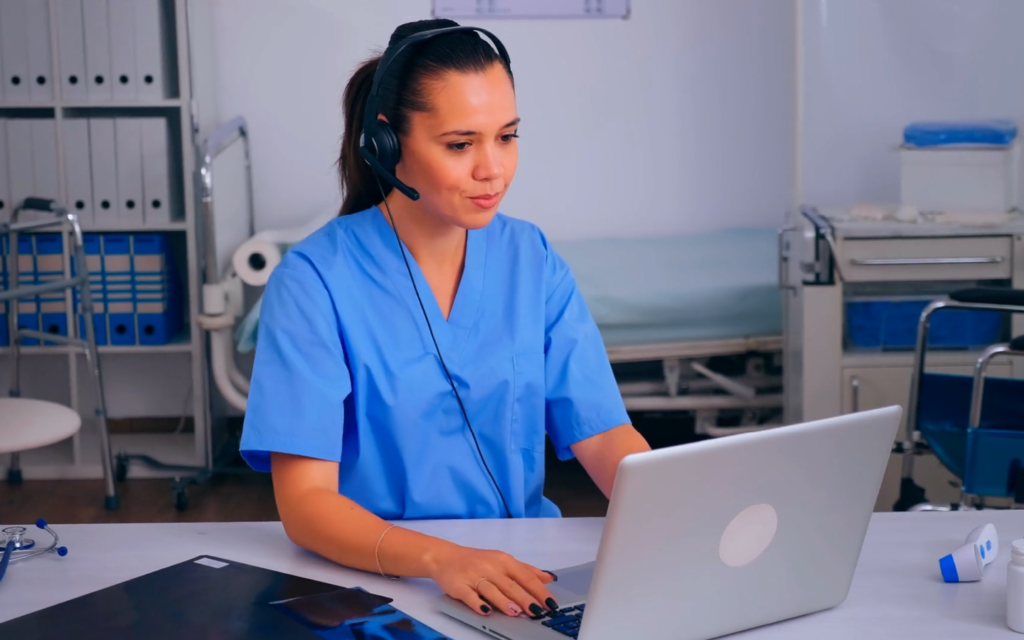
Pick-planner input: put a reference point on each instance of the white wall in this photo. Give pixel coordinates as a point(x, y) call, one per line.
point(678, 119)
point(873, 66)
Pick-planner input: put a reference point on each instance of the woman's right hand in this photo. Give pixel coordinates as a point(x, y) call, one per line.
point(486, 580)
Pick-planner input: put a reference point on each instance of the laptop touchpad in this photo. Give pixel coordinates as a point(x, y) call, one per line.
point(573, 583)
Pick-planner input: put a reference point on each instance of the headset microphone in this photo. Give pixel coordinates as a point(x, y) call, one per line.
point(379, 169)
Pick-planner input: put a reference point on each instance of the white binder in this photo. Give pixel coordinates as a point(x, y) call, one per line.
point(122, 49)
point(71, 48)
point(97, 50)
point(77, 169)
point(44, 158)
point(19, 160)
point(14, 50)
point(150, 38)
point(128, 133)
point(156, 171)
point(6, 206)
point(39, 65)
point(103, 155)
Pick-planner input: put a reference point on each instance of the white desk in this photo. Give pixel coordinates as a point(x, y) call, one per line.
point(896, 593)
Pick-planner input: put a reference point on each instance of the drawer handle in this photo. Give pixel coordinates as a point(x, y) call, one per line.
point(890, 262)
point(855, 394)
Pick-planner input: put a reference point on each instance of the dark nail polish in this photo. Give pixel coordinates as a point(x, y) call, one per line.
point(536, 610)
point(552, 574)
point(485, 608)
point(551, 603)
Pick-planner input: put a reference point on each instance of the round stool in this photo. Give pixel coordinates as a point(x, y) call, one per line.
point(29, 424)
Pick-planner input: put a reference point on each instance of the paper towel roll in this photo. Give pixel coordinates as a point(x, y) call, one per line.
point(258, 256)
point(255, 259)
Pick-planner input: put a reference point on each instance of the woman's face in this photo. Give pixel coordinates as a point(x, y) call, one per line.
point(462, 154)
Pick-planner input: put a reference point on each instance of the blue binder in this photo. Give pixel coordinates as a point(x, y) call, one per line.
point(5, 338)
point(49, 258)
point(27, 308)
point(117, 288)
point(94, 260)
point(156, 288)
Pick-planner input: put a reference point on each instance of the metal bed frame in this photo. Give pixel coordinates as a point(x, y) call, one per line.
point(687, 384)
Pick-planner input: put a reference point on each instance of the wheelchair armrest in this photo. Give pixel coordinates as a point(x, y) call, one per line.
point(1017, 344)
point(990, 295)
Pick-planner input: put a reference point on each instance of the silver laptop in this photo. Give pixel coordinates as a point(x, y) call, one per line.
point(719, 536)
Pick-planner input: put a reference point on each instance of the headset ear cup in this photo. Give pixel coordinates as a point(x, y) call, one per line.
point(388, 150)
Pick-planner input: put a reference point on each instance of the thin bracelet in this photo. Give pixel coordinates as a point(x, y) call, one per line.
point(376, 553)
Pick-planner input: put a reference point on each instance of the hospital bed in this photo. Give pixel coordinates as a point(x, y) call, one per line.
point(671, 311)
point(683, 303)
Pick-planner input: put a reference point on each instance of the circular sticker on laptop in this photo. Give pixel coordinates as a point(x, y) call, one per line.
point(748, 535)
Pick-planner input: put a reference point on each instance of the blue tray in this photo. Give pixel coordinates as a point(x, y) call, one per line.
point(997, 132)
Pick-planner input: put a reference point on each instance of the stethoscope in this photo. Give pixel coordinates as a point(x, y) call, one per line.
point(18, 547)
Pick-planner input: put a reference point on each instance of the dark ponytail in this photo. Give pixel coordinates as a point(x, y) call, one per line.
point(401, 93)
point(357, 179)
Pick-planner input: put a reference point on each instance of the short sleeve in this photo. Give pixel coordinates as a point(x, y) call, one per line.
point(300, 377)
point(583, 398)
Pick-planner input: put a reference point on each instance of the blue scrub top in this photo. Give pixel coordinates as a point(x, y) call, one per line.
point(346, 371)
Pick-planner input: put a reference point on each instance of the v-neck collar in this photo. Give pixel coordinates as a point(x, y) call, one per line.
point(461, 317)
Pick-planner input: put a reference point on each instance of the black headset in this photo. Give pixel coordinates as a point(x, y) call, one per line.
point(378, 144)
point(384, 156)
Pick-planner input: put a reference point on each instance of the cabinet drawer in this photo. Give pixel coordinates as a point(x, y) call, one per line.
point(911, 259)
point(874, 387)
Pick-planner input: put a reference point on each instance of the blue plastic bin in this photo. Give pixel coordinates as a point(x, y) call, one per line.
point(891, 324)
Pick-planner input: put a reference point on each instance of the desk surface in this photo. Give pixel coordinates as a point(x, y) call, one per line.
point(896, 592)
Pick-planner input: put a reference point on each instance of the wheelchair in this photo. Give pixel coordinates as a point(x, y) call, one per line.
point(973, 424)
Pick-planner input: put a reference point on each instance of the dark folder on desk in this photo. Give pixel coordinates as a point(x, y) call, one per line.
point(208, 597)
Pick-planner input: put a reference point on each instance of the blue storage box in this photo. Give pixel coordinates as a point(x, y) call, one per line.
point(891, 324)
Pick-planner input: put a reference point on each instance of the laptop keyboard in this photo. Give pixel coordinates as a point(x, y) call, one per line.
point(565, 621)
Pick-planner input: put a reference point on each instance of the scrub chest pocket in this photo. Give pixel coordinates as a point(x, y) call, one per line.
point(530, 392)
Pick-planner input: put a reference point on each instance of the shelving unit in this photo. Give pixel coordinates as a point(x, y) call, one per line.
point(141, 381)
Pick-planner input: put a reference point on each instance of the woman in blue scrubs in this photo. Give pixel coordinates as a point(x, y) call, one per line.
point(414, 353)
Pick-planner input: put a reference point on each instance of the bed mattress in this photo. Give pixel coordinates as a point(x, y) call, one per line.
point(703, 286)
